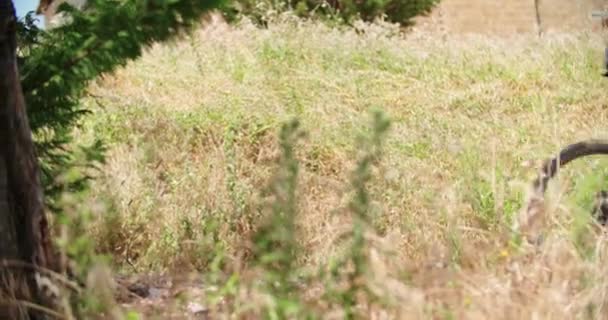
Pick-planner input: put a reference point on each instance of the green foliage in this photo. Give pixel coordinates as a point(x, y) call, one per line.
point(352, 267)
point(398, 11)
point(235, 189)
point(494, 203)
point(57, 66)
point(590, 179)
point(91, 291)
point(275, 244)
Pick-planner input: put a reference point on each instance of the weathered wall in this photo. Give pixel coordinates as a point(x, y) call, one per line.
point(515, 16)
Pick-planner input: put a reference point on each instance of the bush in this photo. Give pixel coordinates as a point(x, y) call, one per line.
point(398, 11)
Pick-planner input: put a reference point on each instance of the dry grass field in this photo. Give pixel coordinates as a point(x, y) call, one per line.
point(193, 135)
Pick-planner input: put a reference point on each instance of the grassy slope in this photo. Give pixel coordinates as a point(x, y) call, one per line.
point(193, 126)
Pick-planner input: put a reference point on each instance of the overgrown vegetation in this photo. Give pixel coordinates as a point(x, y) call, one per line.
point(56, 67)
point(54, 77)
point(275, 247)
point(194, 139)
point(348, 11)
point(207, 172)
point(352, 266)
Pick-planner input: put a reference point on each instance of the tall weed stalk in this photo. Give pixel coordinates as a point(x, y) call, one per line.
point(348, 273)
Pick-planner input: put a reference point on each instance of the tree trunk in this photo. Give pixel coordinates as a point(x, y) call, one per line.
point(23, 225)
point(539, 26)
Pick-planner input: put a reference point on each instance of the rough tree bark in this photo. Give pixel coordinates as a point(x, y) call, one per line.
point(23, 225)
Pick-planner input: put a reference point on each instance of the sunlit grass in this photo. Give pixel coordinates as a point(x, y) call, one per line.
point(193, 126)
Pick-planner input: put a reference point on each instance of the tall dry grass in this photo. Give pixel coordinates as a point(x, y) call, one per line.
point(193, 128)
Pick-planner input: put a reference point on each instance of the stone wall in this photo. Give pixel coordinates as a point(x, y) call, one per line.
point(515, 16)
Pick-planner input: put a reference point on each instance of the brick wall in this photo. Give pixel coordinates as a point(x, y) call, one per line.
point(514, 16)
